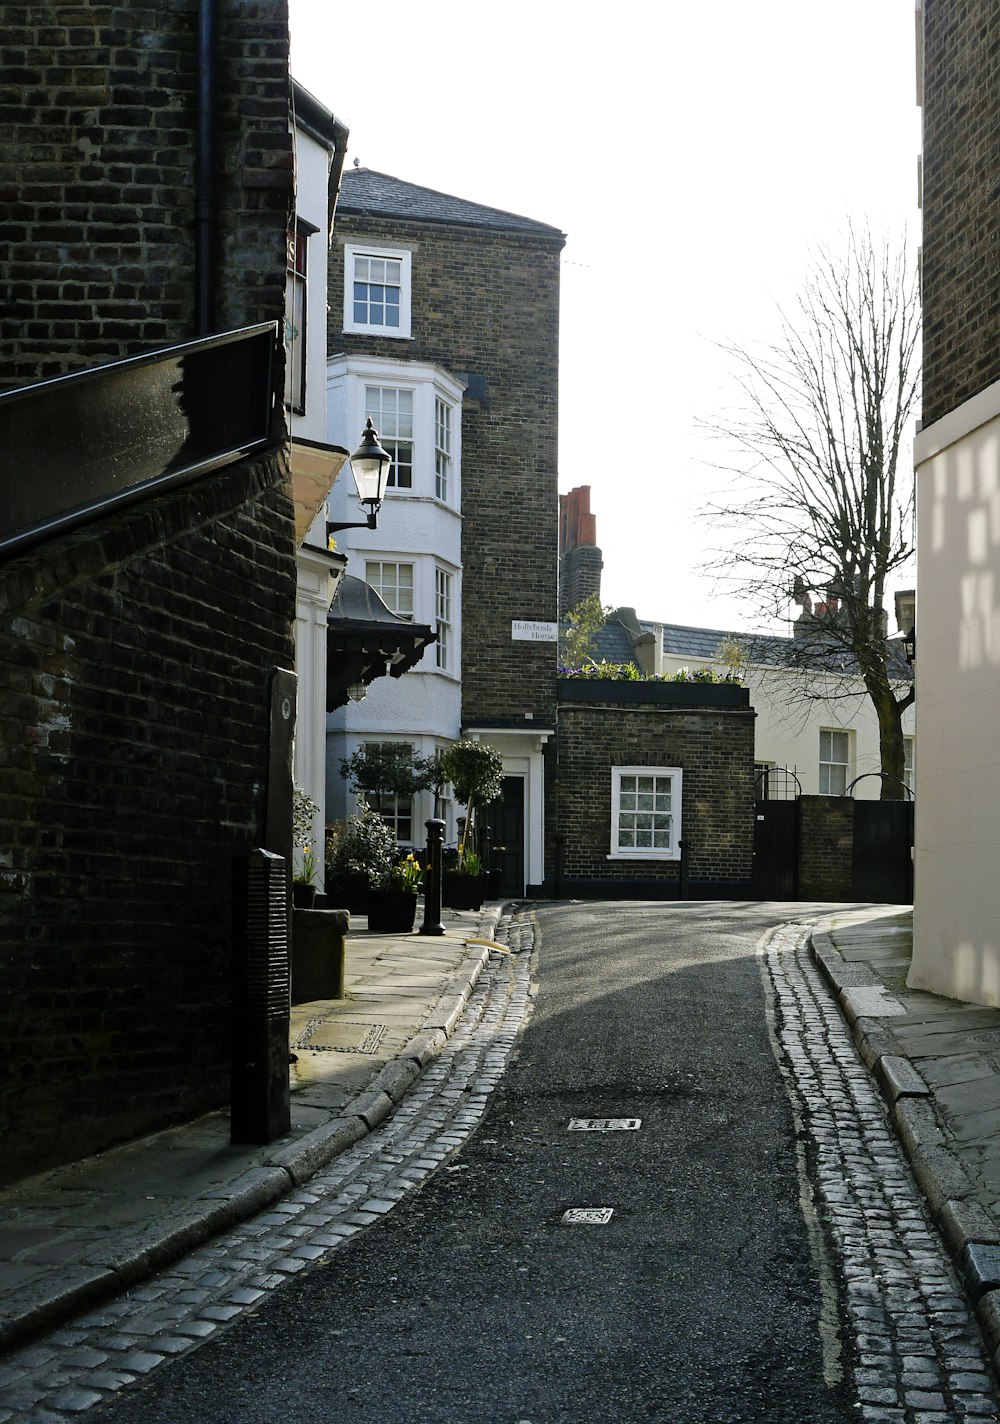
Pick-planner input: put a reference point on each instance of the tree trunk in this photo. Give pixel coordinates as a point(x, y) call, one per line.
point(892, 749)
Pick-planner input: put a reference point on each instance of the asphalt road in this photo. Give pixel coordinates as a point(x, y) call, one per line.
point(697, 1303)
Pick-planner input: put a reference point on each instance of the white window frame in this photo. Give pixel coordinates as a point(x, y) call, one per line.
point(353, 250)
point(391, 590)
point(392, 807)
point(443, 426)
point(675, 776)
point(910, 762)
point(391, 438)
point(828, 763)
point(444, 648)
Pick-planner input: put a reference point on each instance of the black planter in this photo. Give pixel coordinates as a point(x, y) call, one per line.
point(392, 911)
point(303, 896)
point(348, 892)
point(657, 694)
point(462, 892)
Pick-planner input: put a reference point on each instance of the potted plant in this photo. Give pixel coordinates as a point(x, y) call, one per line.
point(303, 887)
point(475, 771)
point(359, 853)
point(392, 904)
point(304, 809)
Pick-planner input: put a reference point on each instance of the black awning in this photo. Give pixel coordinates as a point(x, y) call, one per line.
point(365, 640)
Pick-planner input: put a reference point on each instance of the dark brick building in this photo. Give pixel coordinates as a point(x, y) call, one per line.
point(137, 641)
point(957, 832)
point(655, 784)
point(457, 304)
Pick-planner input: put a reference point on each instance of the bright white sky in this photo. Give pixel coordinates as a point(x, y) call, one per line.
point(692, 154)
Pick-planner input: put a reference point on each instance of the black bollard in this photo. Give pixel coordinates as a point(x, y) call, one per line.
point(432, 879)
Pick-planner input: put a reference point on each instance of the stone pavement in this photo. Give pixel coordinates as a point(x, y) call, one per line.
point(937, 1063)
point(79, 1234)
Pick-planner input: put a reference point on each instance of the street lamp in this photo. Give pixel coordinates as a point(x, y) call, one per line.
point(910, 646)
point(370, 466)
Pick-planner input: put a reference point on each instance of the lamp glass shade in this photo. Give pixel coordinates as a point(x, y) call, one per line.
point(370, 466)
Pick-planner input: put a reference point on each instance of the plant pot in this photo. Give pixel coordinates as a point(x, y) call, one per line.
point(303, 896)
point(391, 911)
point(348, 892)
point(462, 892)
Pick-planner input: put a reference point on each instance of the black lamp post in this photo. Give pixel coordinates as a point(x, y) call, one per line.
point(910, 646)
point(370, 466)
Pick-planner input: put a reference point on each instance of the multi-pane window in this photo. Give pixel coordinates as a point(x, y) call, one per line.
point(645, 811)
point(295, 321)
point(393, 583)
point(442, 449)
point(377, 290)
point(834, 762)
point(396, 811)
point(442, 609)
point(391, 412)
point(908, 765)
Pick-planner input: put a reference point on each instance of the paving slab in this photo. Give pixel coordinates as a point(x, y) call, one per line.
point(951, 1133)
point(75, 1235)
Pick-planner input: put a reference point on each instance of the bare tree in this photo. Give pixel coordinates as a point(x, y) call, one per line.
point(823, 502)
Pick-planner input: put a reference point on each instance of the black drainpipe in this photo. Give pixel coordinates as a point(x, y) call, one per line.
point(204, 191)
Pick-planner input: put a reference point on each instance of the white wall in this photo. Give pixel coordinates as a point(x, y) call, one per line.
point(786, 732)
point(956, 945)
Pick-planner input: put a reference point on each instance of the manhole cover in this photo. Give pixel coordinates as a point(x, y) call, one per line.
point(587, 1216)
point(604, 1124)
point(326, 1036)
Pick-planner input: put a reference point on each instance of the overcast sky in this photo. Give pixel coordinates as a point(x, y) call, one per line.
point(693, 155)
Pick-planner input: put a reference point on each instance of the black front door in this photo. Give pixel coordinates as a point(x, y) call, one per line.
point(506, 821)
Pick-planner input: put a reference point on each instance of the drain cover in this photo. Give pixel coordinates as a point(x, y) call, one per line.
point(327, 1036)
point(604, 1124)
point(587, 1216)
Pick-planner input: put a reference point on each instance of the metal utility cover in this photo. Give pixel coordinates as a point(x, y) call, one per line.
point(588, 1216)
point(327, 1036)
point(605, 1124)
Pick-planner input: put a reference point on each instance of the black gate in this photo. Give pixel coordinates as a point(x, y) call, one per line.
point(881, 860)
point(776, 835)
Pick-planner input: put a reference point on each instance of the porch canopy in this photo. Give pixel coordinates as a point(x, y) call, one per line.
point(366, 640)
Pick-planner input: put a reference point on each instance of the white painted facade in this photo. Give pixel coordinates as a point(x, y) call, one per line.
point(314, 468)
point(423, 534)
point(788, 728)
point(956, 931)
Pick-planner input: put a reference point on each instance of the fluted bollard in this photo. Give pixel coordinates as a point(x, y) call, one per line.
point(432, 879)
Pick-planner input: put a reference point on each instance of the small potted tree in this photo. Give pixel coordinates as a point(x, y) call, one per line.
point(359, 853)
point(475, 771)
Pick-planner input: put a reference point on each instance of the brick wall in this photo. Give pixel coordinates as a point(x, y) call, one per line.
point(960, 280)
point(486, 303)
point(826, 841)
point(97, 127)
point(713, 748)
point(134, 703)
point(135, 652)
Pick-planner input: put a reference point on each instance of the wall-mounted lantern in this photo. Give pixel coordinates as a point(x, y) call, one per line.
point(370, 466)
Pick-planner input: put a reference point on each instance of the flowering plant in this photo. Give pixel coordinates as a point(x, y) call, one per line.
point(306, 874)
point(406, 874)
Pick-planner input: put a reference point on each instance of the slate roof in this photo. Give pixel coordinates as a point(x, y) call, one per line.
point(368, 193)
point(702, 645)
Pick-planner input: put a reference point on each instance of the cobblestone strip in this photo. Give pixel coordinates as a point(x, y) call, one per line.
point(62, 1375)
point(919, 1356)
